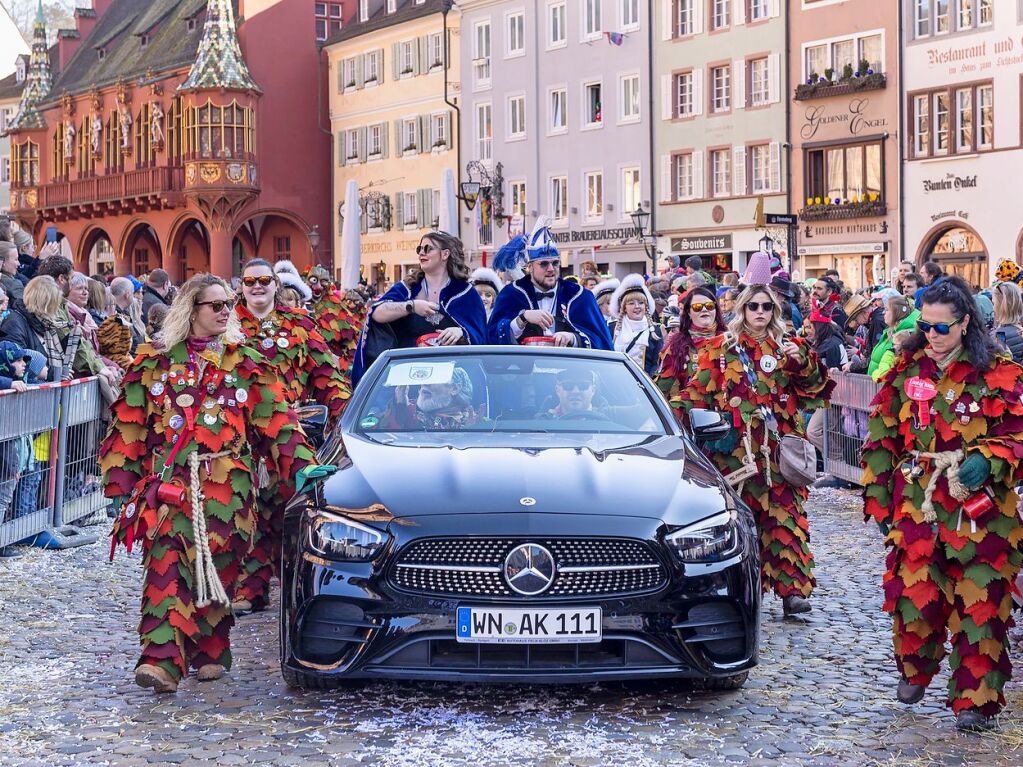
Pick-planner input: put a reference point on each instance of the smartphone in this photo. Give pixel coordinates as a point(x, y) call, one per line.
point(51, 233)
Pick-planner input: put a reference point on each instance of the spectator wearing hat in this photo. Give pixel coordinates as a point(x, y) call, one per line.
point(758, 270)
point(488, 284)
point(155, 291)
point(633, 330)
point(899, 315)
point(603, 292)
point(856, 318)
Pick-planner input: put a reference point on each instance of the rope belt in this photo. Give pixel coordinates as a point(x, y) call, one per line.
point(946, 463)
point(748, 469)
point(209, 588)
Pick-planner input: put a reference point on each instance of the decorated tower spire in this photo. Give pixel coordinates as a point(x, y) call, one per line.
point(39, 79)
point(219, 62)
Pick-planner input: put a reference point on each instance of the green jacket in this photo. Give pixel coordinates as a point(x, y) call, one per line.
point(883, 356)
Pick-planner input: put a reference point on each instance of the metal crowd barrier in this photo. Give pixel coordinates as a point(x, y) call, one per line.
point(49, 472)
point(845, 424)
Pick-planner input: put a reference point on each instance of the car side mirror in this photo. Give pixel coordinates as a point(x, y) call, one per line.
point(708, 425)
point(313, 419)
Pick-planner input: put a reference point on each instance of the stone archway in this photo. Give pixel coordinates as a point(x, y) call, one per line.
point(276, 235)
point(96, 253)
point(189, 248)
point(958, 249)
point(139, 251)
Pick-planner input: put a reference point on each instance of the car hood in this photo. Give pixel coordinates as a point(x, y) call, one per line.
point(661, 477)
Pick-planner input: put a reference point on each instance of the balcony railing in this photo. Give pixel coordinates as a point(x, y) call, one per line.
point(844, 210)
point(823, 88)
point(133, 185)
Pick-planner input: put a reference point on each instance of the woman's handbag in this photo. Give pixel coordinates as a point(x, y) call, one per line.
point(797, 460)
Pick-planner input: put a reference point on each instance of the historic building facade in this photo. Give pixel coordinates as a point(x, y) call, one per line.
point(10, 96)
point(171, 135)
point(963, 134)
point(845, 115)
point(720, 132)
point(392, 113)
point(555, 114)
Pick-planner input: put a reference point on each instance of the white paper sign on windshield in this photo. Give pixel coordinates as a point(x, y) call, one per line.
point(419, 373)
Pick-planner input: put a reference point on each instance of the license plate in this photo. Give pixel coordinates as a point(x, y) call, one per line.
point(513, 625)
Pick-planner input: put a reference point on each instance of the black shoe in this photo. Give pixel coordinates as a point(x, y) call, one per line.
point(971, 720)
point(910, 693)
point(9, 552)
point(794, 605)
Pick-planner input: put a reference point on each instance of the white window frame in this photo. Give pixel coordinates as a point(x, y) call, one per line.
point(438, 131)
point(759, 96)
point(561, 25)
point(5, 169)
point(586, 123)
point(719, 8)
point(949, 131)
point(629, 15)
point(351, 146)
point(758, 184)
point(683, 170)
point(685, 18)
point(553, 197)
point(979, 119)
point(625, 118)
point(484, 144)
point(515, 106)
point(410, 137)
point(517, 199)
point(591, 20)
point(759, 10)
point(964, 119)
point(679, 91)
point(922, 138)
point(625, 182)
point(377, 140)
point(363, 10)
point(435, 51)
point(406, 57)
point(348, 74)
point(510, 18)
point(552, 129)
point(481, 60)
point(829, 44)
point(410, 210)
point(371, 69)
point(721, 104)
point(595, 178)
point(720, 174)
point(392, 6)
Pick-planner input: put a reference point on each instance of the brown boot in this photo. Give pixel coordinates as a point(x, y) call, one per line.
point(148, 675)
point(794, 605)
point(210, 672)
point(910, 693)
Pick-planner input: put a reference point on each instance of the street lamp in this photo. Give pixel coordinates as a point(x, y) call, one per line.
point(639, 221)
point(314, 239)
point(767, 244)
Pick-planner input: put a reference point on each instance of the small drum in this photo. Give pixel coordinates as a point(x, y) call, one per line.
point(537, 341)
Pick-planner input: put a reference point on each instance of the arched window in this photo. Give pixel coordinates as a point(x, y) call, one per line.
point(218, 132)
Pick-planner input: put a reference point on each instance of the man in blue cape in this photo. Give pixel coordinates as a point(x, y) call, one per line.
point(542, 303)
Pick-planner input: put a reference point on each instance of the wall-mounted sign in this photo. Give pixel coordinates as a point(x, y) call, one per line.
point(951, 183)
point(865, 248)
point(596, 235)
point(780, 219)
point(711, 242)
point(855, 118)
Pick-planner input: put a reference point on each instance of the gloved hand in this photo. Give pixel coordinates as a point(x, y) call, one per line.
point(309, 474)
point(724, 445)
point(974, 471)
point(884, 528)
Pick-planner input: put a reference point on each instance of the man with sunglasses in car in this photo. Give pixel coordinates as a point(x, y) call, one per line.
point(542, 305)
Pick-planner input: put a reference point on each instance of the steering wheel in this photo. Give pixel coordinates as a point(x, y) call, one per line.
point(583, 415)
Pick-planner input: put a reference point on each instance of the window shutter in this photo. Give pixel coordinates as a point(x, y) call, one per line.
point(360, 144)
point(396, 60)
point(423, 130)
point(384, 140)
point(667, 107)
point(360, 70)
point(447, 130)
point(667, 20)
point(773, 79)
point(380, 65)
point(399, 140)
point(739, 172)
point(698, 6)
point(740, 12)
point(697, 92)
point(739, 84)
point(399, 209)
point(775, 162)
point(773, 8)
point(341, 76)
point(698, 177)
point(427, 207)
point(417, 55)
point(341, 149)
point(666, 191)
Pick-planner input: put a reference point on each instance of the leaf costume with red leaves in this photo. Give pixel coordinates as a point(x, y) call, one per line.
point(678, 368)
point(950, 574)
point(339, 322)
point(309, 371)
point(786, 388)
point(223, 406)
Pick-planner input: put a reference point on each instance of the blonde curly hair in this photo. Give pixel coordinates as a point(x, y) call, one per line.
point(177, 326)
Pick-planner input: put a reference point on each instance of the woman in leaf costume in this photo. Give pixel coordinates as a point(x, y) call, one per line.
point(699, 321)
point(194, 410)
point(764, 383)
point(299, 357)
point(337, 318)
point(942, 457)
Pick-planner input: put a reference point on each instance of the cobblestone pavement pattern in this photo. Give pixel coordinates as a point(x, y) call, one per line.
point(822, 695)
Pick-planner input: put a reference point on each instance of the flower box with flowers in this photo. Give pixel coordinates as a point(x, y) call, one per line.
point(826, 208)
point(862, 79)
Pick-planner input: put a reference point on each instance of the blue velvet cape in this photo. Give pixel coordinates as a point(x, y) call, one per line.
point(572, 303)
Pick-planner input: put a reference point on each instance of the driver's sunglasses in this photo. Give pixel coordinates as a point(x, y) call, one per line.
point(941, 328)
point(217, 306)
point(545, 265)
point(250, 282)
point(575, 385)
point(701, 307)
point(755, 306)
point(421, 249)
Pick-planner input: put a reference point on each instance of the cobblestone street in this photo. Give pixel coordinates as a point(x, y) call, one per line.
point(822, 695)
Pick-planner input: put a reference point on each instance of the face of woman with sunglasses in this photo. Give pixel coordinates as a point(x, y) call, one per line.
point(432, 259)
point(758, 312)
point(701, 313)
point(943, 314)
point(206, 320)
point(259, 289)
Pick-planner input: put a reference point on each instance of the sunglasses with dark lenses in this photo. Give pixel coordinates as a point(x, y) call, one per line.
point(701, 307)
point(217, 306)
point(545, 265)
point(941, 328)
point(765, 306)
point(421, 249)
point(575, 385)
point(253, 281)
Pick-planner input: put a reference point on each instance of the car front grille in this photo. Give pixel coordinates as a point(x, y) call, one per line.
point(475, 567)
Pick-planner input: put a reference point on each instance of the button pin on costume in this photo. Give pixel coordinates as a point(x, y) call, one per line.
point(943, 456)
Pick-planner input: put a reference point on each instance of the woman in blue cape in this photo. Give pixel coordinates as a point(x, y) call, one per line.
point(435, 306)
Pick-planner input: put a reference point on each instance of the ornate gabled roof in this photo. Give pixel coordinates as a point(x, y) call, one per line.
point(38, 81)
point(219, 63)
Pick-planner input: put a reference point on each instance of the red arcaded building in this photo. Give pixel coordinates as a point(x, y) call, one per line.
point(179, 133)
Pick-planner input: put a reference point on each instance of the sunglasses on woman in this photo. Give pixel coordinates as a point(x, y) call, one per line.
point(701, 307)
point(421, 249)
point(941, 328)
point(217, 306)
point(765, 306)
point(250, 282)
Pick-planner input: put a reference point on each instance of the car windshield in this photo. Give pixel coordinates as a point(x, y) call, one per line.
point(509, 393)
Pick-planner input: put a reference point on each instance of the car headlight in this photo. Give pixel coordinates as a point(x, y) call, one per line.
point(340, 538)
point(709, 540)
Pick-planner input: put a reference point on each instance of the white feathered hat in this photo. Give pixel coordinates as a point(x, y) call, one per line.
point(486, 276)
point(633, 283)
point(605, 288)
point(286, 266)
point(289, 277)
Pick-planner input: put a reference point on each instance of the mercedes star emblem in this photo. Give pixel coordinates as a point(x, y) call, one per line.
point(527, 501)
point(529, 569)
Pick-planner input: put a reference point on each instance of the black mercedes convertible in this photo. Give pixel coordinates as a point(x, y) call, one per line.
point(520, 515)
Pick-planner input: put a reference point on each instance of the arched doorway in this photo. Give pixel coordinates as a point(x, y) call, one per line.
point(140, 250)
point(957, 249)
point(275, 236)
point(96, 253)
point(190, 248)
